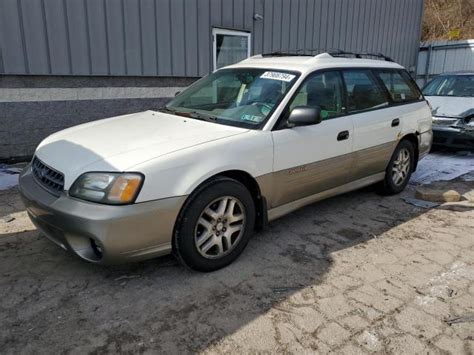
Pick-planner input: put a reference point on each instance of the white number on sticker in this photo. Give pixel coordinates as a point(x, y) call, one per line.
point(274, 75)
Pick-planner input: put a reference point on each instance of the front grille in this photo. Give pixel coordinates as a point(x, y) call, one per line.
point(49, 178)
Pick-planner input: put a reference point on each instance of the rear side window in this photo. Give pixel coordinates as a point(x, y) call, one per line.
point(323, 90)
point(363, 92)
point(400, 88)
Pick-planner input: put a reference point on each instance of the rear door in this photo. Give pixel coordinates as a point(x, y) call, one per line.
point(311, 159)
point(376, 124)
point(407, 104)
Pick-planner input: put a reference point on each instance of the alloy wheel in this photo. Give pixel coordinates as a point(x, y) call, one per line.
point(401, 167)
point(220, 227)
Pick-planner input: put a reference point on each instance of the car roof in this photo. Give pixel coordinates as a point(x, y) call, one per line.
point(307, 63)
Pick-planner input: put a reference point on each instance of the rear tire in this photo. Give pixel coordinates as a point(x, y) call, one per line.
point(215, 225)
point(399, 169)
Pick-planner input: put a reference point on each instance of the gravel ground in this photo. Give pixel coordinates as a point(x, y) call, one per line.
point(358, 273)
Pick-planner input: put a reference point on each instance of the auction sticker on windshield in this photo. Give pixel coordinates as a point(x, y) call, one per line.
point(274, 75)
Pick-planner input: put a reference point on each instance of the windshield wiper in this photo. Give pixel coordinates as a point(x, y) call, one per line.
point(167, 110)
point(190, 114)
point(202, 116)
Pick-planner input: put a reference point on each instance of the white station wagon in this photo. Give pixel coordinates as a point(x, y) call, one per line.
point(243, 146)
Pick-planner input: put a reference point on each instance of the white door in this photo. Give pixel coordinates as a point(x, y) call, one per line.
point(229, 47)
point(311, 159)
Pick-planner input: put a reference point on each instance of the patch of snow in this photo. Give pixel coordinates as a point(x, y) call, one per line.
point(8, 177)
point(371, 340)
point(8, 181)
point(443, 166)
point(468, 177)
point(457, 270)
point(440, 291)
point(424, 300)
point(439, 284)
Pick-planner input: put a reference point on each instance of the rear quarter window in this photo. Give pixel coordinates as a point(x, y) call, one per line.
point(399, 86)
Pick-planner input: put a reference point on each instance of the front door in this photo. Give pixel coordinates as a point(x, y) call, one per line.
point(311, 159)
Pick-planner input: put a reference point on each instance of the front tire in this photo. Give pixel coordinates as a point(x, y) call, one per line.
point(214, 225)
point(399, 169)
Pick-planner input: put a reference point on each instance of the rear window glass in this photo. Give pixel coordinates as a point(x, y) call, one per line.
point(400, 88)
point(363, 93)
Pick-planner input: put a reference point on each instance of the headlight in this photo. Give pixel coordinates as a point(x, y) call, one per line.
point(108, 188)
point(445, 121)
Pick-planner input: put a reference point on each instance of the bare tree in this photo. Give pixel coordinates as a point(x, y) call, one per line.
point(448, 19)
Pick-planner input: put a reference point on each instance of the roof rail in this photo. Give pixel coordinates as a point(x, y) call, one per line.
point(331, 52)
point(339, 53)
point(288, 53)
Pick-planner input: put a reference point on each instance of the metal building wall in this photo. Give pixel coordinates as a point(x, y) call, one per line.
point(74, 61)
point(439, 57)
point(173, 37)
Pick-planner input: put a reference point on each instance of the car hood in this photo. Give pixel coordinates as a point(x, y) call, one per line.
point(450, 106)
point(119, 143)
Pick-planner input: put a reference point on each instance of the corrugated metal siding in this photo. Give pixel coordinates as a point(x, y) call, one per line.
point(173, 37)
point(444, 57)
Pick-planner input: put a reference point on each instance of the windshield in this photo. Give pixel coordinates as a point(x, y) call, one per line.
point(239, 97)
point(452, 85)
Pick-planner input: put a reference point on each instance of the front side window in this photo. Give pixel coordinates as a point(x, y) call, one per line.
point(399, 87)
point(451, 85)
point(323, 90)
point(363, 93)
point(240, 97)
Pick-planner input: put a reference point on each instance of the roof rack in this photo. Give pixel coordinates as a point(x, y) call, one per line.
point(331, 52)
point(339, 53)
point(288, 53)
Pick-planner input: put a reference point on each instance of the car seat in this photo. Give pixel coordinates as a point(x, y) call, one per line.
point(363, 96)
point(319, 95)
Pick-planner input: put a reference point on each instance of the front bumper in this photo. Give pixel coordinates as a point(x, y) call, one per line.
point(455, 137)
point(101, 233)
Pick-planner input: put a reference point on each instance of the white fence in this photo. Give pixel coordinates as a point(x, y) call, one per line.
point(439, 57)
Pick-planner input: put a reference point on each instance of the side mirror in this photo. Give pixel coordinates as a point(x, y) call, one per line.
point(177, 93)
point(305, 116)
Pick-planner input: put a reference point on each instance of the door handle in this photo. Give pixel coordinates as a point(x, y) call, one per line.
point(343, 135)
point(395, 122)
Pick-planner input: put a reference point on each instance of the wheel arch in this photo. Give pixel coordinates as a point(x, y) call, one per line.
point(249, 182)
point(252, 185)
